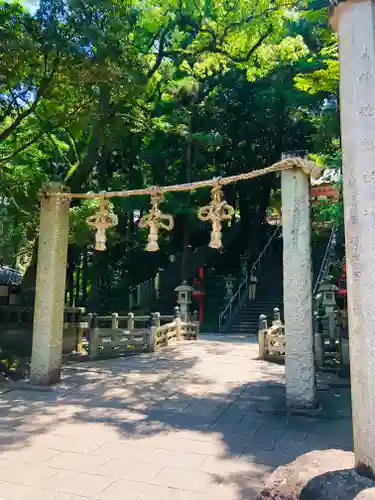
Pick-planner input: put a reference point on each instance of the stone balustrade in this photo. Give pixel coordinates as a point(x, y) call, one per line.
point(271, 339)
point(103, 336)
point(116, 340)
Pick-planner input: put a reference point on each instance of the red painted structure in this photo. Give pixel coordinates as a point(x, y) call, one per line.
point(199, 294)
point(341, 282)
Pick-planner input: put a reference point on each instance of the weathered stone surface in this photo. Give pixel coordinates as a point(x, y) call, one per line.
point(50, 287)
point(319, 475)
point(354, 21)
point(299, 355)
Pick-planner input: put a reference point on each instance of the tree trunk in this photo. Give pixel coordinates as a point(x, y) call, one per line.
point(85, 272)
point(185, 229)
point(77, 297)
point(69, 292)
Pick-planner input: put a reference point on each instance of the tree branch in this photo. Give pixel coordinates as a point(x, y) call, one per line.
point(8, 111)
point(243, 59)
point(251, 17)
point(21, 148)
point(27, 112)
point(160, 54)
point(44, 84)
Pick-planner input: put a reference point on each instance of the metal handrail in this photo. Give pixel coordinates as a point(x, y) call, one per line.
point(325, 262)
point(244, 284)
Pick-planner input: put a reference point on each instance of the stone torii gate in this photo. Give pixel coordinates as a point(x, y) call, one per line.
point(354, 21)
point(50, 285)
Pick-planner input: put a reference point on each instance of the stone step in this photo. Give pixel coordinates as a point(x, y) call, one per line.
point(257, 307)
point(244, 330)
point(261, 305)
point(261, 309)
point(255, 314)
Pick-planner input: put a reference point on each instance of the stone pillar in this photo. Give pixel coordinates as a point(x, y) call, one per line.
point(130, 321)
point(262, 332)
point(177, 319)
point(296, 223)
point(114, 321)
point(50, 287)
point(355, 23)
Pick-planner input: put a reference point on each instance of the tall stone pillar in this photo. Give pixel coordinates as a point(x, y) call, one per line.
point(354, 20)
point(296, 224)
point(50, 287)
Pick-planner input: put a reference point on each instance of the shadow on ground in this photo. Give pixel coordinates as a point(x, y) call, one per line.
point(206, 392)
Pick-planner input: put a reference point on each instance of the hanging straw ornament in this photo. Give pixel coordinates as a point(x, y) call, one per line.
point(155, 220)
point(101, 221)
point(217, 211)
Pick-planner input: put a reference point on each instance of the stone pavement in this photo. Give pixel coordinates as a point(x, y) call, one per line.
point(185, 423)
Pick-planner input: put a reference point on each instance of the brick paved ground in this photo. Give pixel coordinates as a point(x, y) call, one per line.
point(182, 424)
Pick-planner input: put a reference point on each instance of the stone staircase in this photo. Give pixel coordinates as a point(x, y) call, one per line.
point(270, 289)
point(269, 295)
point(248, 317)
point(214, 285)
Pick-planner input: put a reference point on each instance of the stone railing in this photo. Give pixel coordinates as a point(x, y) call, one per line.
point(101, 336)
point(271, 338)
point(16, 329)
point(148, 336)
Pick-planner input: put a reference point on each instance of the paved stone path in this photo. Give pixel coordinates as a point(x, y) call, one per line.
point(185, 423)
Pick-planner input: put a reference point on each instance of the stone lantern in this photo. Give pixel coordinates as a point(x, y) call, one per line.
point(328, 292)
point(229, 286)
point(184, 299)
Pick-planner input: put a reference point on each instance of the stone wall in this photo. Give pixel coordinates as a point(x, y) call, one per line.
point(16, 329)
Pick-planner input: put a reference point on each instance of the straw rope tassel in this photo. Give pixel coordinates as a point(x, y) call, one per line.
point(155, 220)
point(101, 221)
point(217, 211)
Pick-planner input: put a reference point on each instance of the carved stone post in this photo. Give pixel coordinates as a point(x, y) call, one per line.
point(153, 332)
point(276, 316)
point(262, 332)
point(81, 325)
point(156, 317)
point(94, 337)
point(50, 287)
point(318, 341)
point(130, 321)
point(299, 355)
point(177, 319)
point(114, 322)
point(355, 20)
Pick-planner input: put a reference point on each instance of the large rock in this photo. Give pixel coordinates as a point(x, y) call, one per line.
point(319, 475)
